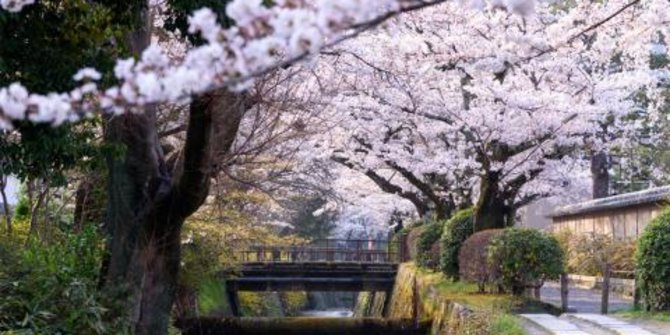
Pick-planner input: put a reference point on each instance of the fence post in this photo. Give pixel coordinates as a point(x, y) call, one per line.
point(564, 292)
point(402, 247)
point(636, 293)
point(606, 289)
point(415, 302)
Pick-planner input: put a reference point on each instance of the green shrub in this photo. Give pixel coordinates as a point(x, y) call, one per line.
point(473, 259)
point(653, 263)
point(211, 297)
point(525, 258)
point(52, 289)
point(425, 253)
point(455, 231)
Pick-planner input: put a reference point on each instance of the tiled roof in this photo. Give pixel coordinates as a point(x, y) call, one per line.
point(652, 195)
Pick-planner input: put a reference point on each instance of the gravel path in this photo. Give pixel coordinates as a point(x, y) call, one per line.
point(583, 300)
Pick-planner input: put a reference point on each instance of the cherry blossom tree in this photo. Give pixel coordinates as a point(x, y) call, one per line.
point(488, 106)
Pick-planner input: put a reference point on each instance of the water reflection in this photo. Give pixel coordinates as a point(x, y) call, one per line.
point(328, 313)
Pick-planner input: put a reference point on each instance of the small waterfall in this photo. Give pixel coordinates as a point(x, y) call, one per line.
point(330, 304)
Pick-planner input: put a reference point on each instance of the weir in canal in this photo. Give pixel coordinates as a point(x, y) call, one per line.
point(325, 266)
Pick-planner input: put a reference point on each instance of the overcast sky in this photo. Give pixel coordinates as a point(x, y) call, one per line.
point(12, 191)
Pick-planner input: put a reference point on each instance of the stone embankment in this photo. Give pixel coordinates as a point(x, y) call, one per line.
point(414, 299)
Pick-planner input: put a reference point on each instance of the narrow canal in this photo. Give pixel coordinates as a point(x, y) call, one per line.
point(328, 313)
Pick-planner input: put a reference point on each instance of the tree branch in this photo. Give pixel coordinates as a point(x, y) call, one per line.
point(388, 187)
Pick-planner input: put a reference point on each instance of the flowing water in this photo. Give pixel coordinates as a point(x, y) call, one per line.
point(328, 313)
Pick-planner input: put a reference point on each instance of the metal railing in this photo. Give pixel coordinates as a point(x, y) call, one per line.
point(330, 250)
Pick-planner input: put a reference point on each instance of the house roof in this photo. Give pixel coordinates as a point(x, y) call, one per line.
point(652, 195)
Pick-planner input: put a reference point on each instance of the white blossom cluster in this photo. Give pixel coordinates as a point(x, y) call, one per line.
point(15, 5)
point(262, 37)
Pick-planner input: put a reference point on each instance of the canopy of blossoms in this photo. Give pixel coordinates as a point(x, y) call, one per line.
point(263, 38)
point(462, 93)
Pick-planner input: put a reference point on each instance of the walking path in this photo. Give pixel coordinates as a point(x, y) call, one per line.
point(553, 325)
point(581, 324)
point(606, 323)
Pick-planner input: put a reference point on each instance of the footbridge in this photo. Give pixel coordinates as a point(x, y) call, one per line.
point(322, 265)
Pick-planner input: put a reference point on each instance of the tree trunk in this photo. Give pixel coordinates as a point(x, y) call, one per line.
point(5, 204)
point(491, 211)
point(89, 201)
point(443, 210)
point(148, 201)
point(147, 204)
point(600, 175)
point(159, 257)
point(35, 207)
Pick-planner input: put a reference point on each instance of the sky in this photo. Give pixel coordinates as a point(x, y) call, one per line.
point(12, 190)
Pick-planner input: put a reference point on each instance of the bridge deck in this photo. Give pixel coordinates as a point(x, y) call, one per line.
point(318, 276)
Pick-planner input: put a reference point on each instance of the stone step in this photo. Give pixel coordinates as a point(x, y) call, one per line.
point(553, 325)
point(608, 324)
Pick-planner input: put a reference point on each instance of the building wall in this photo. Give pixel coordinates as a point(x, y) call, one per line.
point(620, 223)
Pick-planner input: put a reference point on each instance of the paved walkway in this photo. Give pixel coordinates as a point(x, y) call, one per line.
point(553, 325)
point(607, 323)
point(583, 300)
point(581, 324)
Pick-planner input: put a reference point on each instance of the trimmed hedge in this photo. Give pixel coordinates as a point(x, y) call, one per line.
point(473, 259)
point(425, 255)
point(456, 230)
point(653, 263)
point(525, 258)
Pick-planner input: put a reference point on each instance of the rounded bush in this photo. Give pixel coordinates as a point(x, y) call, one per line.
point(430, 233)
point(455, 231)
point(653, 263)
point(473, 259)
point(525, 258)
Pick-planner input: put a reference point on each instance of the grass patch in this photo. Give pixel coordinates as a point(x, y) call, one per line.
point(493, 313)
point(467, 294)
point(636, 314)
point(506, 324)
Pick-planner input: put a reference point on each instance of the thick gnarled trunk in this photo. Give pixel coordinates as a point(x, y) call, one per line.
point(492, 210)
point(149, 201)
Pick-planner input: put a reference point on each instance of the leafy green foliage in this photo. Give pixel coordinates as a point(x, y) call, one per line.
point(429, 235)
point(456, 230)
point(525, 258)
point(306, 224)
point(51, 289)
point(473, 259)
point(42, 47)
point(212, 297)
point(179, 10)
point(653, 263)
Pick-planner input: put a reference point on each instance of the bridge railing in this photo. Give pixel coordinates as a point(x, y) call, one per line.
point(331, 250)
